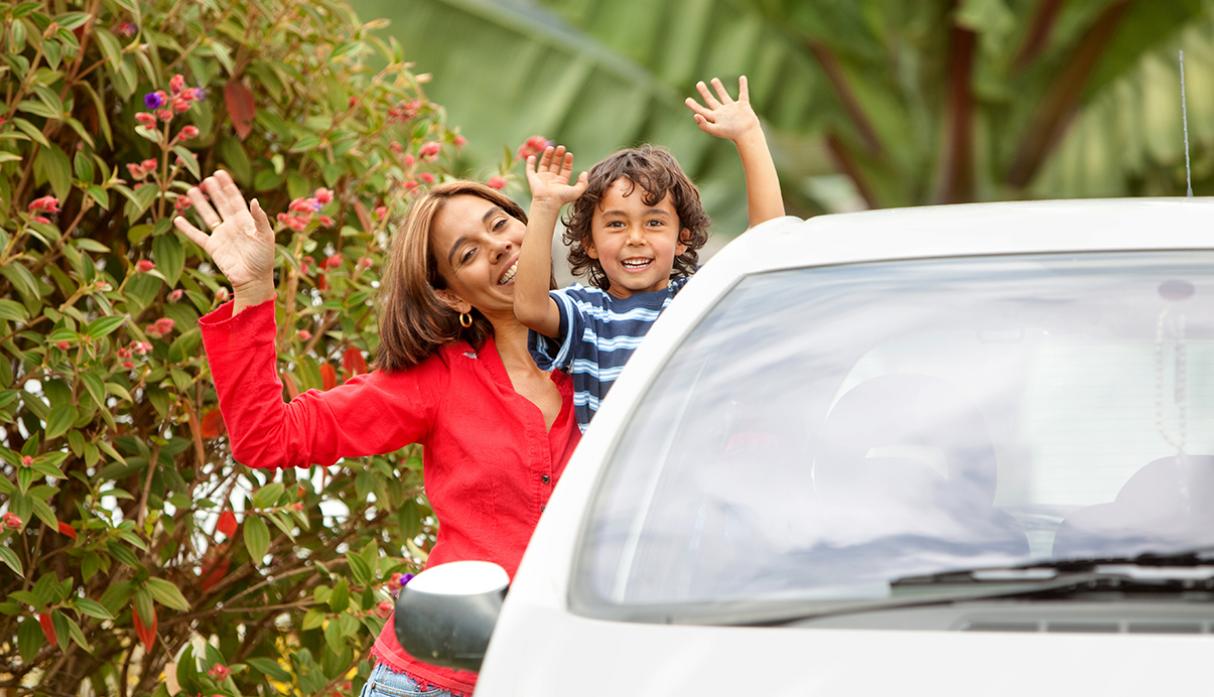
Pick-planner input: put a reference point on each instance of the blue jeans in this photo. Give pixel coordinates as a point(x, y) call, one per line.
point(385, 682)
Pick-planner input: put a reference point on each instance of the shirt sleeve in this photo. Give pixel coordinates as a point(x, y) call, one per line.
point(374, 413)
point(557, 354)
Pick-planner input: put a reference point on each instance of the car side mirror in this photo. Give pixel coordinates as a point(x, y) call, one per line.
point(445, 615)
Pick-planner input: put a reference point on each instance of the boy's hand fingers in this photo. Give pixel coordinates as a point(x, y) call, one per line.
point(583, 180)
point(721, 93)
point(558, 160)
point(696, 107)
point(546, 160)
point(743, 89)
point(709, 100)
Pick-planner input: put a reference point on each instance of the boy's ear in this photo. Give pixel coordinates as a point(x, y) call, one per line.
point(453, 301)
point(590, 249)
point(684, 236)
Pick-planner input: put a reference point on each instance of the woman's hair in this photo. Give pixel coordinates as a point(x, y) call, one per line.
point(656, 171)
point(413, 320)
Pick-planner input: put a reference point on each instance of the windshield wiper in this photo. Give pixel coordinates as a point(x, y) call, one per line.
point(1151, 563)
point(1188, 574)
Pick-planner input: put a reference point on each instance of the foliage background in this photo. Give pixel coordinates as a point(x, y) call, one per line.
point(135, 556)
point(867, 103)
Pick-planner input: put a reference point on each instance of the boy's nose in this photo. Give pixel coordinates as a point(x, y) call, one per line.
point(634, 235)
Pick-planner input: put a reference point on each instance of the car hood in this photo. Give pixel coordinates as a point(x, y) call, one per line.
point(559, 654)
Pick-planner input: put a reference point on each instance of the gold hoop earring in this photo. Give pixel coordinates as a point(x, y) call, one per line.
point(465, 320)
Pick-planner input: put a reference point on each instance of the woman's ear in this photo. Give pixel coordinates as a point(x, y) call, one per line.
point(453, 301)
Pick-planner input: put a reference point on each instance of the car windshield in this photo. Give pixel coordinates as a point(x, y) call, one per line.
point(824, 431)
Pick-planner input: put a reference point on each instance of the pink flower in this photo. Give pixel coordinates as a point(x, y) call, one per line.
point(160, 328)
point(128, 364)
point(222, 295)
point(304, 334)
point(188, 133)
point(182, 204)
point(219, 671)
point(42, 219)
point(181, 104)
point(12, 521)
point(165, 115)
point(333, 261)
point(381, 212)
point(396, 147)
point(46, 204)
point(496, 182)
point(177, 83)
point(145, 119)
point(193, 93)
point(460, 141)
point(148, 164)
point(427, 177)
point(27, 461)
point(145, 265)
point(306, 265)
point(142, 348)
point(410, 185)
point(135, 171)
point(532, 146)
point(364, 263)
point(63, 345)
point(383, 609)
point(175, 295)
point(126, 29)
point(323, 196)
point(430, 150)
point(409, 160)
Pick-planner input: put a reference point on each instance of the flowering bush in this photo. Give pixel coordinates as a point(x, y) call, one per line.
point(135, 557)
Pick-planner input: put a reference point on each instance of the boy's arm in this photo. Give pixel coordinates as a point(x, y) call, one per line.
point(550, 189)
point(724, 117)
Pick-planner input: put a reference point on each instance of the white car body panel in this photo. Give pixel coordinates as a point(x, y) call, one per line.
point(540, 648)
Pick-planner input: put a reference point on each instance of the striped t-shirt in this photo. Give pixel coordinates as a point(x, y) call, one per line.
point(598, 333)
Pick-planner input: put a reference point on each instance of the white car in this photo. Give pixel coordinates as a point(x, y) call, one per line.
point(948, 450)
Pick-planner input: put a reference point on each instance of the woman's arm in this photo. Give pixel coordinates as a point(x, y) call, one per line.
point(374, 413)
point(550, 189)
point(733, 120)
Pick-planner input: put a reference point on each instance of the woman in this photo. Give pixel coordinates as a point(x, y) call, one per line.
point(453, 373)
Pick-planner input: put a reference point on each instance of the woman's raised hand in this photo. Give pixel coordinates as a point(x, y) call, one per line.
point(549, 177)
point(241, 241)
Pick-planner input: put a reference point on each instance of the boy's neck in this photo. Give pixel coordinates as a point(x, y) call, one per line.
point(618, 292)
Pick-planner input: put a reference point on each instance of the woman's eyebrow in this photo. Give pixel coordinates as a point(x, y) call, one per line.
point(459, 241)
point(491, 213)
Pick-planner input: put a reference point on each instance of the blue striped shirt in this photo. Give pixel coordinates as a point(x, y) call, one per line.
point(597, 335)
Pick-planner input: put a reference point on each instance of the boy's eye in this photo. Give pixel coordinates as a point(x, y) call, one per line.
point(615, 224)
point(655, 222)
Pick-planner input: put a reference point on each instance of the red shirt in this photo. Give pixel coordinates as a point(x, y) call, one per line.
point(489, 463)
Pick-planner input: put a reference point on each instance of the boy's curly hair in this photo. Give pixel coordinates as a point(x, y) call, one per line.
point(656, 171)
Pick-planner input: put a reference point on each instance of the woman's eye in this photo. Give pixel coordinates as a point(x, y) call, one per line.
point(467, 255)
point(499, 224)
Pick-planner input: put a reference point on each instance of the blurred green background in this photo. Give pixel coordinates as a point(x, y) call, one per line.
point(867, 103)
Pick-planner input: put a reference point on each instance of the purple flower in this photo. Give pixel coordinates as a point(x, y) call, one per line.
point(153, 100)
point(401, 580)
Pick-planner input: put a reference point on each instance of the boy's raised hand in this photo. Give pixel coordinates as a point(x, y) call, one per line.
point(549, 177)
point(721, 115)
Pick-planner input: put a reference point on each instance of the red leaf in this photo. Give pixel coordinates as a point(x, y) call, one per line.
point(214, 570)
point(328, 376)
point(292, 388)
point(147, 634)
point(227, 523)
point(239, 101)
point(67, 529)
point(48, 628)
point(353, 362)
point(212, 424)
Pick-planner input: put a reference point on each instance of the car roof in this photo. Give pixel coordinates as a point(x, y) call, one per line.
point(977, 229)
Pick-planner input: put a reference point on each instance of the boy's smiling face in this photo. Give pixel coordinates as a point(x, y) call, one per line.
point(635, 243)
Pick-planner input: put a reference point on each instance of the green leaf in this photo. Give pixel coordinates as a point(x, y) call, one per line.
point(110, 48)
point(61, 418)
point(30, 130)
point(191, 162)
point(268, 495)
point(29, 638)
point(358, 569)
point(76, 634)
point(13, 311)
point(92, 608)
point(104, 326)
point(11, 560)
point(269, 668)
point(256, 538)
point(143, 604)
point(339, 599)
point(53, 166)
point(169, 256)
point(83, 165)
point(167, 594)
point(44, 513)
point(22, 280)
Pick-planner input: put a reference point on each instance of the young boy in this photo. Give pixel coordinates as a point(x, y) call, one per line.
point(636, 227)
